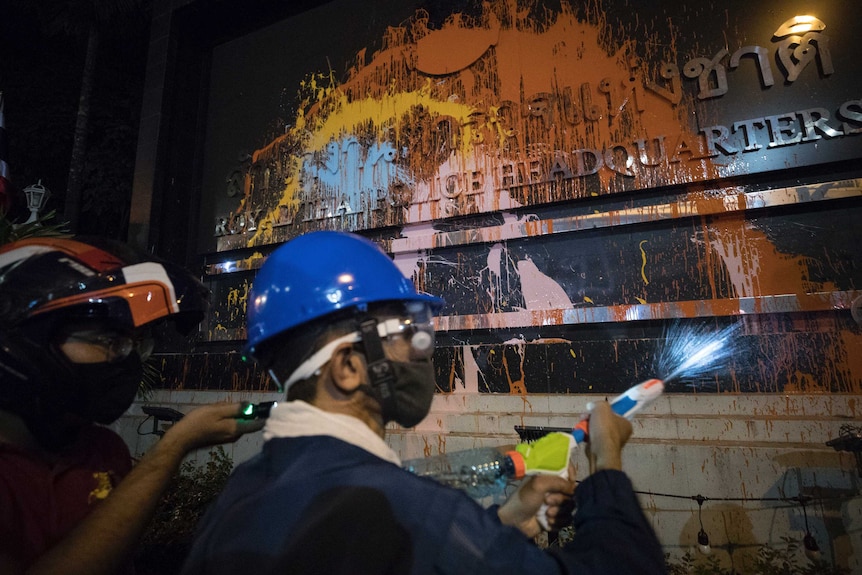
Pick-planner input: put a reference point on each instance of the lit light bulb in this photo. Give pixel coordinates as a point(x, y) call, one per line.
point(703, 543)
point(812, 551)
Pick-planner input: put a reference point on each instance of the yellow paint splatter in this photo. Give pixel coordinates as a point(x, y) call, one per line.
point(237, 299)
point(343, 116)
point(250, 262)
point(643, 262)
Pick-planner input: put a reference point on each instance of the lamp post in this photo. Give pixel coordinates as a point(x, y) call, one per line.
point(37, 195)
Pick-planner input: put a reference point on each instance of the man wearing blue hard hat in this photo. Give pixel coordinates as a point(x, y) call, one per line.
point(349, 338)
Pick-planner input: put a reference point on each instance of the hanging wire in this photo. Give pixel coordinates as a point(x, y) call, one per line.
point(794, 500)
point(812, 550)
point(700, 499)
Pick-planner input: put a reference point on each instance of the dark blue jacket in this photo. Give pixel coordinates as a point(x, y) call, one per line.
point(319, 505)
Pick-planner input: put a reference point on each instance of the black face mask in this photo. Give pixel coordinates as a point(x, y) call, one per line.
point(107, 389)
point(414, 389)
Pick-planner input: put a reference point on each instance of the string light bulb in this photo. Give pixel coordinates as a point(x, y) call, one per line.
point(809, 543)
point(702, 537)
point(812, 551)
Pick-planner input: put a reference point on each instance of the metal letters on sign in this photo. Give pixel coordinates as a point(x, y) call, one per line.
point(423, 132)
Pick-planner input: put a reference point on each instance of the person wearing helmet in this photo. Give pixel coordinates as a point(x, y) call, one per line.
point(77, 321)
point(351, 341)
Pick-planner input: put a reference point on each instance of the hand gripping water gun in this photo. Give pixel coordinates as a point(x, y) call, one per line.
point(627, 405)
point(484, 471)
point(550, 454)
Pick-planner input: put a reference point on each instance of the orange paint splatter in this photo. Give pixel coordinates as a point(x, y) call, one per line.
point(471, 117)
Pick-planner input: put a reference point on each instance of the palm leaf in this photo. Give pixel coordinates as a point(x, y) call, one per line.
point(42, 227)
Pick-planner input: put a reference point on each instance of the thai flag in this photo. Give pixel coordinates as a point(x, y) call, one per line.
point(4, 167)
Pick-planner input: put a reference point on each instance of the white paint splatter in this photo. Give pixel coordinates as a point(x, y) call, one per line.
point(541, 291)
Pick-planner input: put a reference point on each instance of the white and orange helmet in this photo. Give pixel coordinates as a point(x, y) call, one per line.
point(95, 277)
point(47, 282)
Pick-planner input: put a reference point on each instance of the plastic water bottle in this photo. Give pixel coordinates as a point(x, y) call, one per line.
point(487, 471)
point(479, 472)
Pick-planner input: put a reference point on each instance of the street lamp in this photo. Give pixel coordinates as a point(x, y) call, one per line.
point(37, 195)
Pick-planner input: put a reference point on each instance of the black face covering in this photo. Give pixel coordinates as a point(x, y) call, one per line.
point(107, 389)
point(414, 389)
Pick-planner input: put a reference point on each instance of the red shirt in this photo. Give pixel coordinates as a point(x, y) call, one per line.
point(41, 501)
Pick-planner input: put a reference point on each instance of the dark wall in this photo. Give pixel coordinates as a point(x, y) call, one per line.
point(575, 182)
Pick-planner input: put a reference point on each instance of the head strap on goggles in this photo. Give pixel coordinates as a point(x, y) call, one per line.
point(421, 340)
point(380, 370)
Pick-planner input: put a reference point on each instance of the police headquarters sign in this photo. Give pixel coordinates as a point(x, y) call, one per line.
point(496, 108)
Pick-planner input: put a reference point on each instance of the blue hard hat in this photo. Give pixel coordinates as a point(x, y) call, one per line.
point(318, 273)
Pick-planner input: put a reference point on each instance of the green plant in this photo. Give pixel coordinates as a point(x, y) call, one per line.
point(683, 567)
point(781, 560)
point(151, 379)
point(690, 565)
point(168, 538)
point(778, 561)
point(775, 561)
point(42, 227)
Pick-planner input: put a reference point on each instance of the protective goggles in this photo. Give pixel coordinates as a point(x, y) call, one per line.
point(117, 346)
point(415, 327)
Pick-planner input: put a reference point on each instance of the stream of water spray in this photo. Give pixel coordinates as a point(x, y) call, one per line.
point(691, 353)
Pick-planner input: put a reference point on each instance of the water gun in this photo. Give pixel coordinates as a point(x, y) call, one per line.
point(550, 453)
point(627, 405)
